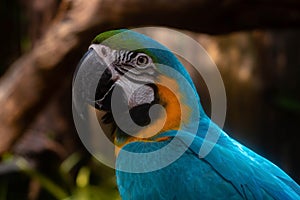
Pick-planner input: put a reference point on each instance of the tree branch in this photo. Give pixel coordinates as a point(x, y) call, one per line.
point(34, 78)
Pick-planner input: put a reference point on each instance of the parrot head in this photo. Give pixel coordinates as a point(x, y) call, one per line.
point(125, 74)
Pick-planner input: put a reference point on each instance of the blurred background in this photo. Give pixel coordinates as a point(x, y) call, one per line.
point(256, 48)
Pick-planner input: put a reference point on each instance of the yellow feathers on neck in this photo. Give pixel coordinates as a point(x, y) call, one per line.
point(177, 113)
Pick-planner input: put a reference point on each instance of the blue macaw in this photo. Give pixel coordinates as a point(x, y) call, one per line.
point(132, 64)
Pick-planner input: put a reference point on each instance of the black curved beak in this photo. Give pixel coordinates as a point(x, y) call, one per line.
point(92, 83)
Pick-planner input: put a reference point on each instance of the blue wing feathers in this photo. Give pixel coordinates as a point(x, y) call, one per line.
point(229, 171)
point(243, 167)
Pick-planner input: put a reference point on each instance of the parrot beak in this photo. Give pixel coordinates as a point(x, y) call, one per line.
point(93, 83)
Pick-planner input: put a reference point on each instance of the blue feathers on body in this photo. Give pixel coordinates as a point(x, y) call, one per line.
point(229, 171)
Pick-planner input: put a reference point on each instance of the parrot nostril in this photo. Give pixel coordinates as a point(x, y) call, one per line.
point(104, 51)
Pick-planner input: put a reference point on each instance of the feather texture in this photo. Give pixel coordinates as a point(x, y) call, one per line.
point(227, 172)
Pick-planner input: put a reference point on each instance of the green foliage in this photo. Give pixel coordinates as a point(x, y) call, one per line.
point(288, 103)
point(90, 181)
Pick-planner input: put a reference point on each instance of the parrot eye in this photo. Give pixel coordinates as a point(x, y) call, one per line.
point(142, 61)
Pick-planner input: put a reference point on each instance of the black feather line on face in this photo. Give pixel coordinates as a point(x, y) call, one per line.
point(140, 113)
point(133, 55)
point(118, 69)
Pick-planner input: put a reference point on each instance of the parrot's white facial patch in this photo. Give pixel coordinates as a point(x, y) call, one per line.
point(131, 71)
point(137, 94)
point(135, 65)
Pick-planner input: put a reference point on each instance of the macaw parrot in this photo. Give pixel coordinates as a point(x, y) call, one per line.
point(133, 65)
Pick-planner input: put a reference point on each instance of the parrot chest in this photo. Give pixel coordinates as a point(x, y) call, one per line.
point(186, 178)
